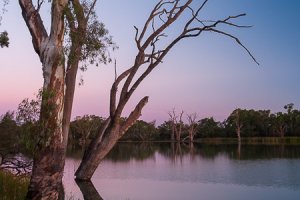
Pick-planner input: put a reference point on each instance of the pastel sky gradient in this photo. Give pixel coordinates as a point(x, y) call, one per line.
point(210, 75)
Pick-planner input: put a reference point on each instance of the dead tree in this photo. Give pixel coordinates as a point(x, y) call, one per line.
point(151, 51)
point(176, 125)
point(192, 120)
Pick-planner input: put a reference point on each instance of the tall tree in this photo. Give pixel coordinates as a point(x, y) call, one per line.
point(237, 120)
point(279, 123)
point(86, 42)
point(152, 49)
point(208, 127)
point(48, 164)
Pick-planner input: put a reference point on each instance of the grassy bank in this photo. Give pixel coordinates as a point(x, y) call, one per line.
point(252, 140)
point(12, 187)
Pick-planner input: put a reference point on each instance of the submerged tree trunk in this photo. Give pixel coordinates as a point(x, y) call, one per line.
point(97, 150)
point(150, 54)
point(108, 135)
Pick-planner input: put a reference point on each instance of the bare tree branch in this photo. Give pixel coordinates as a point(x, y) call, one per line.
point(91, 9)
point(114, 89)
point(39, 4)
point(151, 51)
point(238, 41)
point(134, 115)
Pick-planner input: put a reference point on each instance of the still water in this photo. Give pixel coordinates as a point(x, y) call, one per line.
point(163, 171)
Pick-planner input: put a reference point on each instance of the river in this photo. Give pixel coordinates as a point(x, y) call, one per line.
point(162, 171)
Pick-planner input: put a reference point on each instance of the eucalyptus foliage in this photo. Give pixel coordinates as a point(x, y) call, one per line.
point(4, 40)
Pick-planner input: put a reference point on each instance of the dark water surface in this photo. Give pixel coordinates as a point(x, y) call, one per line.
point(163, 171)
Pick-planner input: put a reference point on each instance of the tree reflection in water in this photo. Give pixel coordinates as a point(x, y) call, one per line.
point(136, 169)
point(174, 151)
point(88, 190)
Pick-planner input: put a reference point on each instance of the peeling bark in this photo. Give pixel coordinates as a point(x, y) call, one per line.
point(48, 165)
point(58, 88)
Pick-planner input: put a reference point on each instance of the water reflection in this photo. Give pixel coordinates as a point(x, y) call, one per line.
point(125, 152)
point(88, 190)
point(169, 170)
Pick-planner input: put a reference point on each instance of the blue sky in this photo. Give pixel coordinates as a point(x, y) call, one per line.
point(210, 75)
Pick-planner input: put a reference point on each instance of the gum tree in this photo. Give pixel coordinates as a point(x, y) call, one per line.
point(153, 45)
point(75, 39)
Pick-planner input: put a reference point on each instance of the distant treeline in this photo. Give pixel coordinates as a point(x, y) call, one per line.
point(22, 126)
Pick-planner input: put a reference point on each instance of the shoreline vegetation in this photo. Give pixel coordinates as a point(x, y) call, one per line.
point(295, 140)
point(13, 187)
point(253, 140)
point(19, 128)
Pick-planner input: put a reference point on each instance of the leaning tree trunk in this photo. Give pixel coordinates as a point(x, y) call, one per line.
point(108, 135)
point(97, 151)
point(49, 160)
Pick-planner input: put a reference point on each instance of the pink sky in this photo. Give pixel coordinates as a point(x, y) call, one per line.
point(210, 75)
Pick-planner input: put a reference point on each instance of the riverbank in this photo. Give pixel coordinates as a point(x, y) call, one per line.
point(252, 140)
